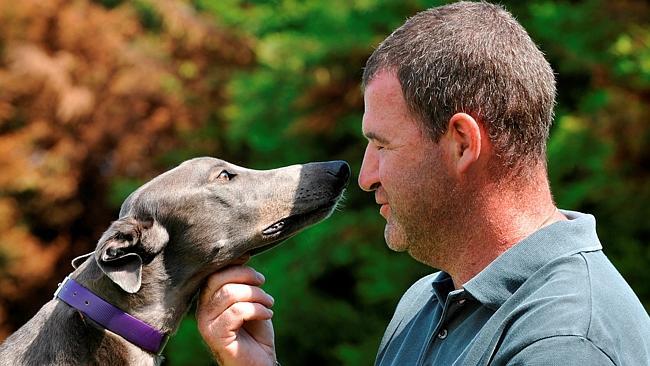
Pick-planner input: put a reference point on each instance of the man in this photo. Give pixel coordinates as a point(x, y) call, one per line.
point(458, 106)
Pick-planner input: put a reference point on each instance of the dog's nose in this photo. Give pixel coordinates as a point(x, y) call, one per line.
point(341, 170)
point(344, 171)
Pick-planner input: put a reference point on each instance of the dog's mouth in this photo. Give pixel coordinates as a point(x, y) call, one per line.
point(287, 227)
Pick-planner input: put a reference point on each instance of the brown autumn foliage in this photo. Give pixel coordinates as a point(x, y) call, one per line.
point(89, 94)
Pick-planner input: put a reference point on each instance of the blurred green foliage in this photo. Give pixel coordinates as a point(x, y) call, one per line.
point(336, 284)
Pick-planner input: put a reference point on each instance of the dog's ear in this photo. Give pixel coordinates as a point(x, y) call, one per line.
point(77, 261)
point(125, 246)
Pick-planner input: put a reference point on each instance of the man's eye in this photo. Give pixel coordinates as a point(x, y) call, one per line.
point(225, 175)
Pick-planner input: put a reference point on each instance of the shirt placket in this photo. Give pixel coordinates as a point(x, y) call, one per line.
point(455, 300)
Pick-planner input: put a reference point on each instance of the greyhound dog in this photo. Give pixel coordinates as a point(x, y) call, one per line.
point(123, 300)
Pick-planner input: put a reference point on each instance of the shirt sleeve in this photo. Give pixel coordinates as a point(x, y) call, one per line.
point(561, 350)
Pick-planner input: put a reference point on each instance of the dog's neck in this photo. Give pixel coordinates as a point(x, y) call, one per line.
point(150, 304)
point(60, 335)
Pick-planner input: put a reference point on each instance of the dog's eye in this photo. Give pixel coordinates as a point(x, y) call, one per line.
point(225, 175)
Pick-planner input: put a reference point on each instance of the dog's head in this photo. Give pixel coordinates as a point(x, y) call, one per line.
point(207, 213)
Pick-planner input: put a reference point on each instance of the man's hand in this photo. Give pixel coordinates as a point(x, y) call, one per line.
point(234, 318)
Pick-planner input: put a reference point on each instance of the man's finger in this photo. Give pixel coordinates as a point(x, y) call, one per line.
point(234, 317)
point(229, 294)
point(233, 274)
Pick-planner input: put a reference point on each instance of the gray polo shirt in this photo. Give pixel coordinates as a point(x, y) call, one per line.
point(552, 299)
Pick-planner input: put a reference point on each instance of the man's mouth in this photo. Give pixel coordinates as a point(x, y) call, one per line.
point(384, 210)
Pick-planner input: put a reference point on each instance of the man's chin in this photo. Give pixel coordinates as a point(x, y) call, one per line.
point(394, 240)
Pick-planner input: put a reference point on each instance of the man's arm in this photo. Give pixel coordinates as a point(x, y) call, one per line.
point(561, 350)
point(234, 318)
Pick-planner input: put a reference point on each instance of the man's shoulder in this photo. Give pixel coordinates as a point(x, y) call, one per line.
point(580, 296)
point(584, 288)
point(558, 298)
point(421, 287)
point(415, 297)
point(412, 302)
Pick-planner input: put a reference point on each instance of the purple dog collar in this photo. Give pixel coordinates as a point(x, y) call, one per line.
point(110, 317)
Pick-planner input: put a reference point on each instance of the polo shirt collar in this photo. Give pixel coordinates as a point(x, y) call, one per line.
point(501, 278)
point(442, 285)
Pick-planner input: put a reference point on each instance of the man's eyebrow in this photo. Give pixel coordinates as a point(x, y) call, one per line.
point(374, 136)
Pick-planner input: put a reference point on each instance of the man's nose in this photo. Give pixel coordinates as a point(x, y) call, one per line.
point(369, 174)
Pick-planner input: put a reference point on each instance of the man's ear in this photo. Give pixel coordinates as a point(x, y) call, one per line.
point(465, 138)
point(125, 246)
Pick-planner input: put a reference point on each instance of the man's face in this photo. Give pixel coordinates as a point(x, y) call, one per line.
point(406, 170)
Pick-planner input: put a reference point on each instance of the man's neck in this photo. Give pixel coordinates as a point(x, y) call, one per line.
point(503, 218)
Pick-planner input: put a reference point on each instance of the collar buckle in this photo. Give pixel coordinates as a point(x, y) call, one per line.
point(60, 286)
point(163, 344)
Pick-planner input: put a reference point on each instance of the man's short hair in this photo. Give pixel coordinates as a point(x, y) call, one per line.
point(473, 58)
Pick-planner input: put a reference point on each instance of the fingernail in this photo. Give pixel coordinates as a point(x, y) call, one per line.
point(260, 276)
